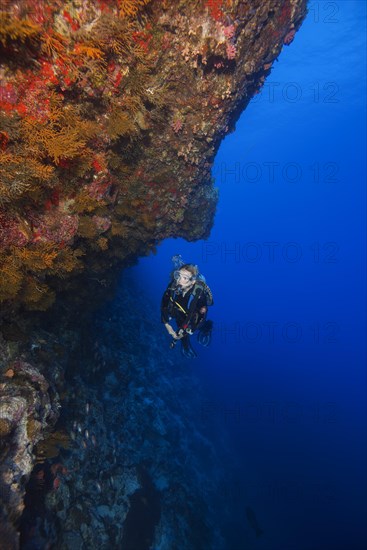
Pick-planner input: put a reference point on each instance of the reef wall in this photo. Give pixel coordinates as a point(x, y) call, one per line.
point(111, 113)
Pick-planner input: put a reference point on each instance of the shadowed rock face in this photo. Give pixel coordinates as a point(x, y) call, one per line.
point(142, 517)
point(111, 114)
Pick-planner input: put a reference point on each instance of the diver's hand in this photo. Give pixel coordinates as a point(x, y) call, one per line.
point(170, 331)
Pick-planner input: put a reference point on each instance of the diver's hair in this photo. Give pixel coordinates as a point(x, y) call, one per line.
point(193, 269)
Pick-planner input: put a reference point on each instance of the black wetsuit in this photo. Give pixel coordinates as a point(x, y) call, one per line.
point(186, 312)
point(177, 306)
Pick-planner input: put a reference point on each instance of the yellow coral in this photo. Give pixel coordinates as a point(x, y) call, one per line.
point(118, 229)
point(86, 203)
point(36, 296)
point(67, 261)
point(87, 228)
point(148, 220)
point(137, 83)
point(16, 29)
point(51, 446)
point(64, 135)
point(33, 427)
point(10, 279)
point(119, 124)
point(57, 142)
point(88, 51)
point(65, 143)
point(120, 252)
point(39, 170)
point(19, 174)
point(54, 43)
point(13, 178)
point(102, 243)
point(130, 8)
point(113, 34)
point(35, 260)
point(5, 427)
point(133, 103)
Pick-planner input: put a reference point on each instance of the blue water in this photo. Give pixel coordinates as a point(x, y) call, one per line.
point(286, 261)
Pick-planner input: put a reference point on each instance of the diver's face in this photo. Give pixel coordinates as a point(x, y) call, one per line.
point(185, 279)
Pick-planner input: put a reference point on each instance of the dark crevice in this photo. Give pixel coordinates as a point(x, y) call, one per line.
point(143, 516)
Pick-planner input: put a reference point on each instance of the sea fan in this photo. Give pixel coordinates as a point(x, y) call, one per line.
point(129, 8)
point(12, 29)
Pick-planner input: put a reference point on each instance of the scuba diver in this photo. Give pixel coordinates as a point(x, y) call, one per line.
point(186, 300)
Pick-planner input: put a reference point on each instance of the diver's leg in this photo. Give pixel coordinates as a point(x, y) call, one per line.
point(186, 349)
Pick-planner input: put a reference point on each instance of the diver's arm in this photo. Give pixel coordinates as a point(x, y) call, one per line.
point(165, 314)
point(165, 319)
point(199, 314)
point(164, 306)
point(202, 304)
point(170, 330)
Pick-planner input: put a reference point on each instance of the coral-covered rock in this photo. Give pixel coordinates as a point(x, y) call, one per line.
point(28, 409)
point(102, 223)
point(55, 227)
point(101, 102)
point(12, 231)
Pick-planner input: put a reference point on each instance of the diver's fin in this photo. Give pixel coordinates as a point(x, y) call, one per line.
point(204, 339)
point(204, 335)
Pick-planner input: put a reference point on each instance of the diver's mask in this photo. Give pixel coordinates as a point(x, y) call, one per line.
point(179, 276)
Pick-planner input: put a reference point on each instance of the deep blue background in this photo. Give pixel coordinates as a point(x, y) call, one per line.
point(286, 262)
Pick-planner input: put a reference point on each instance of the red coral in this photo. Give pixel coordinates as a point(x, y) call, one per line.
point(40, 12)
point(118, 79)
point(218, 65)
point(229, 31)
point(104, 6)
point(56, 483)
point(282, 21)
point(177, 125)
point(288, 39)
point(285, 13)
point(215, 9)
point(12, 233)
point(8, 97)
point(143, 39)
point(73, 24)
point(231, 51)
point(30, 97)
point(96, 165)
point(53, 201)
point(48, 73)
